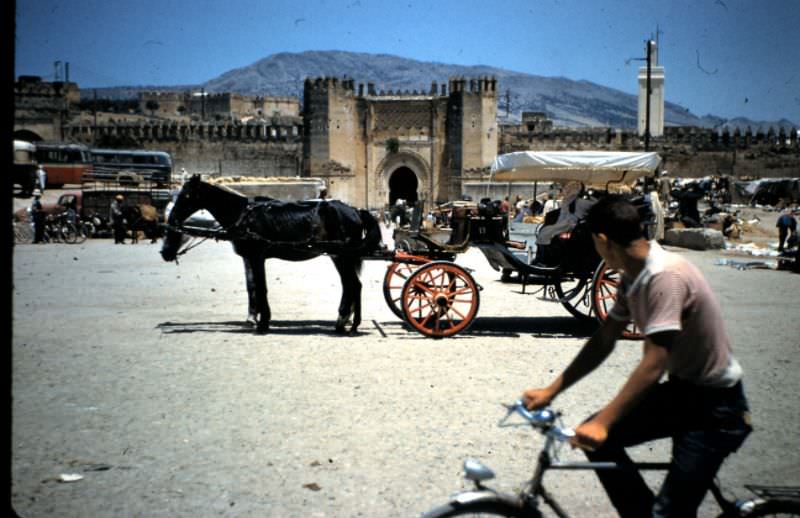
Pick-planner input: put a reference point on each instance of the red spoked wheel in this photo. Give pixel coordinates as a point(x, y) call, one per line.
point(396, 276)
point(605, 283)
point(440, 299)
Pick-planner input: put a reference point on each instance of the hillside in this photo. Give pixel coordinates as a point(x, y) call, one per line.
point(567, 102)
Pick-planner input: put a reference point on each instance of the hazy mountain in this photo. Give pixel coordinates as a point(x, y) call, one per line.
point(567, 102)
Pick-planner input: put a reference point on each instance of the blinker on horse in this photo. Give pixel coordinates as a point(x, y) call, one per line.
point(275, 229)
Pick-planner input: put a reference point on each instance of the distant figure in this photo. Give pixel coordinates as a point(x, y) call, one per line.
point(550, 204)
point(323, 194)
point(41, 177)
point(687, 205)
point(787, 227)
point(505, 206)
point(519, 204)
point(117, 219)
point(184, 175)
point(38, 215)
point(664, 187)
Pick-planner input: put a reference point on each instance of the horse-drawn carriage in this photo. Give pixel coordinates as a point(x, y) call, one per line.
point(423, 285)
point(439, 298)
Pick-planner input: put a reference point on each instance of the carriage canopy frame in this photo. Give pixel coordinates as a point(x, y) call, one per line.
point(592, 168)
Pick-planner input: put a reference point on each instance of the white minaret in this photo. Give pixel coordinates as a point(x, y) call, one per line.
point(656, 95)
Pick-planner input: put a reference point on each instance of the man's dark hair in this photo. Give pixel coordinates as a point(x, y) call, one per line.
point(617, 218)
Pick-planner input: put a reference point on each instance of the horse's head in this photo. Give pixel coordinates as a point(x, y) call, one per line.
point(188, 202)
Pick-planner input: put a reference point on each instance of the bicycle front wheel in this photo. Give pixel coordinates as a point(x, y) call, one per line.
point(485, 506)
point(772, 507)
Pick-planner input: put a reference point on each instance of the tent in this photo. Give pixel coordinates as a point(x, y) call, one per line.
point(592, 168)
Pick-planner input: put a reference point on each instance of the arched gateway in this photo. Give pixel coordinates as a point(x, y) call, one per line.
point(403, 184)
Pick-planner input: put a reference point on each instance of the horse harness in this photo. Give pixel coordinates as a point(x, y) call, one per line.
point(240, 230)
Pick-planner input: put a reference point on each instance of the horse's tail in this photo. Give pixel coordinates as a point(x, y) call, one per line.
point(372, 231)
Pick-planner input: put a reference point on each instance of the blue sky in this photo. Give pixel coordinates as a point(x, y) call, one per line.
point(725, 57)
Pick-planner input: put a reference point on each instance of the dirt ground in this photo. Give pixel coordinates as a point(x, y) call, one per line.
point(141, 377)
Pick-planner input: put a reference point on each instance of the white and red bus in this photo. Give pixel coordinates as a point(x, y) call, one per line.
point(64, 163)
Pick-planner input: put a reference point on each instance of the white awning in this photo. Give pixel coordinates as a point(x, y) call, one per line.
point(597, 168)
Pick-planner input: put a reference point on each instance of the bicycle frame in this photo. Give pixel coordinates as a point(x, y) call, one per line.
point(527, 501)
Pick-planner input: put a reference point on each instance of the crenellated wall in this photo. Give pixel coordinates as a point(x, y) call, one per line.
point(228, 148)
point(687, 151)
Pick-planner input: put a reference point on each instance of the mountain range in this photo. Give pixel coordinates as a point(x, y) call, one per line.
point(567, 102)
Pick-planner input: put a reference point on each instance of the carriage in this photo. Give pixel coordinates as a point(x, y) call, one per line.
point(423, 284)
point(438, 298)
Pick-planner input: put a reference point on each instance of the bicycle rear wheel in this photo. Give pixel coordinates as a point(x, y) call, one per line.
point(23, 233)
point(68, 232)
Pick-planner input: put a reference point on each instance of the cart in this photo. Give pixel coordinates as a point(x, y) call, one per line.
point(438, 298)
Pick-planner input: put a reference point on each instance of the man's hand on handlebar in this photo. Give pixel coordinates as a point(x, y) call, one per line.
point(589, 435)
point(535, 399)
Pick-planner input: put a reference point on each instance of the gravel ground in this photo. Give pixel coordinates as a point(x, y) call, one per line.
point(140, 376)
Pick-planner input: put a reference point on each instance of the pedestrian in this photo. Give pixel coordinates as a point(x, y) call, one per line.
point(38, 216)
point(664, 188)
point(505, 206)
point(701, 406)
point(41, 177)
point(550, 203)
point(519, 205)
point(118, 219)
point(787, 227)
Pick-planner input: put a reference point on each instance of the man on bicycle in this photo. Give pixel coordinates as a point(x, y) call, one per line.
point(701, 405)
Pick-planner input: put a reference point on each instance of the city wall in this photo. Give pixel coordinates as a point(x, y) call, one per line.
point(262, 150)
point(686, 151)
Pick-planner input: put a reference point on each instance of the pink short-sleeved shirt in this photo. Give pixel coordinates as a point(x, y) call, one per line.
point(670, 294)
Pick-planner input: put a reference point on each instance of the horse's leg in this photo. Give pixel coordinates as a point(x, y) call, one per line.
point(260, 284)
point(355, 265)
point(350, 304)
point(252, 312)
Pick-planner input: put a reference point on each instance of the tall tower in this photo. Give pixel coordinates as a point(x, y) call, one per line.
point(656, 94)
point(471, 127)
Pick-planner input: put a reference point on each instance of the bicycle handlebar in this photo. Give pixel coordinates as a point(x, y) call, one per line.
point(543, 420)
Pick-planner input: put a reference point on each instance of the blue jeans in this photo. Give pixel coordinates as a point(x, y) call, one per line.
point(705, 424)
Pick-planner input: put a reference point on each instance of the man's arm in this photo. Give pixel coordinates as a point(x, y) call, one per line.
point(593, 353)
point(594, 432)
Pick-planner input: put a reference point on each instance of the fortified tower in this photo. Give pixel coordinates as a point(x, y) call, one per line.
point(333, 136)
point(374, 147)
point(472, 127)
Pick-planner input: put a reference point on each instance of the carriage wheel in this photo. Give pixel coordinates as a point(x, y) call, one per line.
point(604, 292)
point(393, 282)
point(440, 299)
point(575, 295)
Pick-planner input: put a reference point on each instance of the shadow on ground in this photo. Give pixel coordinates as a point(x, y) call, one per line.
point(276, 327)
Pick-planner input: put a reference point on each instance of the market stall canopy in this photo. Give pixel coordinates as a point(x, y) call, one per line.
point(593, 168)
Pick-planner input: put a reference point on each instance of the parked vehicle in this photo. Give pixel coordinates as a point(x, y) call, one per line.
point(131, 167)
point(25, 166)
point(64, 163)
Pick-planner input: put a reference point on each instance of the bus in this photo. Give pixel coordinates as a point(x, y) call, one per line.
point(133, 166)
point(24, 172)
point(64, 163)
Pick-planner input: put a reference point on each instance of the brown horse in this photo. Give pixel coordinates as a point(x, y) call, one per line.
point(290, 231)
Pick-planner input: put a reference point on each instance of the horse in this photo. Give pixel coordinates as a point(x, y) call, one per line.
point(269, 228)
point(142, 217)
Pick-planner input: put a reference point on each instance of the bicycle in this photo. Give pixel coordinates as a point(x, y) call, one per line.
point(23, 232)
point(768, 501)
